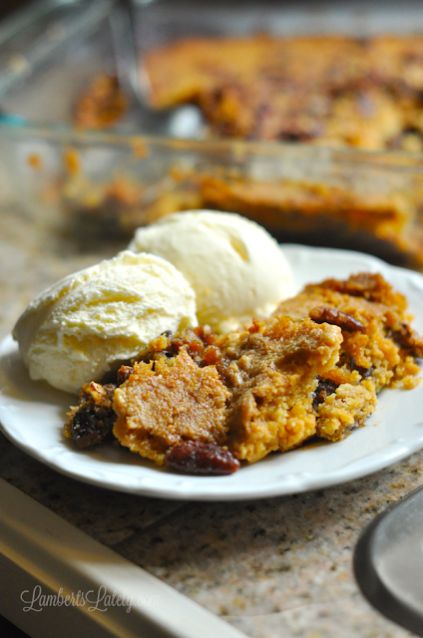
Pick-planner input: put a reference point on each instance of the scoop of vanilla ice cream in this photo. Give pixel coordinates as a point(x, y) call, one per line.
point(235, 267)
point(74, 331)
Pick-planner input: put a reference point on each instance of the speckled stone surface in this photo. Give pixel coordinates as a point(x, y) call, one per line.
point(273, 568)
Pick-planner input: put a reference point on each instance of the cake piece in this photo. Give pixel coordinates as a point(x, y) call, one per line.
point(251, 391)
point(272, 370)
point(379, 348)
point(168, 401)
point(382, 221)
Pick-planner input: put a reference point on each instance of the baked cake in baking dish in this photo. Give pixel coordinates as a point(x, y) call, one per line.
point(361, 92)
point(330, 90)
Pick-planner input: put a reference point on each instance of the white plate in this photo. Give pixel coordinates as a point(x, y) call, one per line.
point(31, 416)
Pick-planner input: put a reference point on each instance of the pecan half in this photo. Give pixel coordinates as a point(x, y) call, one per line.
point(195, 457)
point(326, 314)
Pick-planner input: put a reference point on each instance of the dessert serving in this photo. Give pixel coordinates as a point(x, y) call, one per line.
point(202, 400)
point(202, 403)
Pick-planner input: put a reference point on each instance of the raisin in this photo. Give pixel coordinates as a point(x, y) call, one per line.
point(109, 377)
point(325, 314)
point(351, 364)
point(325, 387)
point(91, 425)
point(169, 354)
point(176, 345)
point(195, 457)
point(365, 373)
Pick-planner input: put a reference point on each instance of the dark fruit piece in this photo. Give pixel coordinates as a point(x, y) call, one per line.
point(91, 425)
point(325, 387)
point(91, 422)
point(194, 457)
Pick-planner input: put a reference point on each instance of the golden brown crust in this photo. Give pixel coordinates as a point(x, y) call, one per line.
point(381, 354)
point(336, 90)
point(168, 401)
point(272, 374)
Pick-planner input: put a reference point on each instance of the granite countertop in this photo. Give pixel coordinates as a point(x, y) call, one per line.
point(275, 567)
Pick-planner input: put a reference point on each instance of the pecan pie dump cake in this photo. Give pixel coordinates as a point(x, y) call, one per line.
point(362, 92)
point(205, 403)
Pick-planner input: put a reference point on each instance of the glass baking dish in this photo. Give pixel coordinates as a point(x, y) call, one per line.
point(99, 186)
